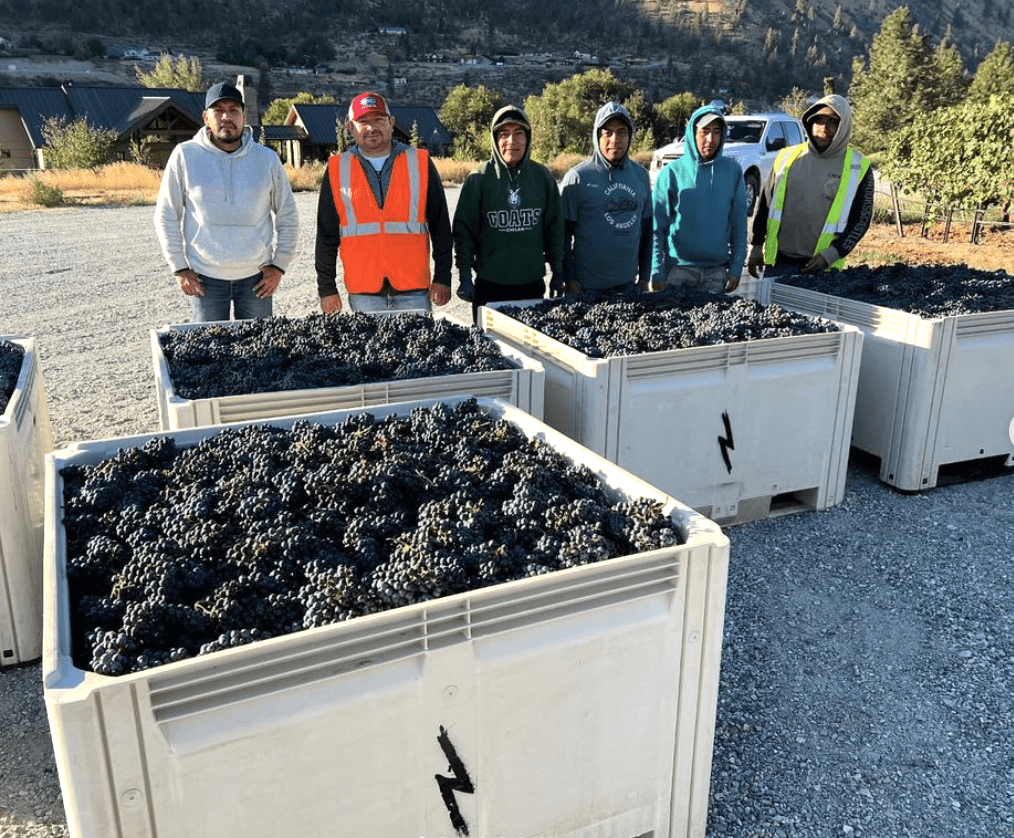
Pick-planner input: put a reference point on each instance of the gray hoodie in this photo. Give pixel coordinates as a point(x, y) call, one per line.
point(226, 215)
point(607, 215)
point(811, 185)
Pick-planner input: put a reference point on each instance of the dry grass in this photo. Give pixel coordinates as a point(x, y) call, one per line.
point(117, 184)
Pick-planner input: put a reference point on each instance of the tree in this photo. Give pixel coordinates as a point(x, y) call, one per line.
point(672, 115)
point(77, 145)
point(467, 113)
point(183, 73)
point(947, 83)
point(959, 156)
point(995, 75)
point(794, 103)
point(278, 109)
point(562, 117)
point(886, 87)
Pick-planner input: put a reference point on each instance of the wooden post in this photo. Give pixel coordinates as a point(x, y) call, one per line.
point(897, 211)
point(947, 226)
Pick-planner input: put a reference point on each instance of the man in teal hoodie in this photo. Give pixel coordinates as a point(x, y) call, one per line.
point(700, 212)
point(508, 223)
point(607, 211)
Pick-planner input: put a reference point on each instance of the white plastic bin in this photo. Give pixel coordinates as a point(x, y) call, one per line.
point(738, 431)
point(521, 386)
point(24, 441)
point(932, 391)
point(580, 703)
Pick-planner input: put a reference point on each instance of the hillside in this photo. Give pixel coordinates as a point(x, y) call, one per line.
point(755, 50)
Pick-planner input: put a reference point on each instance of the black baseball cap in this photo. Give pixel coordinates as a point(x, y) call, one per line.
point(222, 90)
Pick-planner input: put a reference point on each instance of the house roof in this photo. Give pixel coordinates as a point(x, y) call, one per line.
point(278, 133)
point(120, 109)
point(319, 121)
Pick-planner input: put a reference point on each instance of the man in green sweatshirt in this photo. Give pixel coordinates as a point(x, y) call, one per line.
point(508, 224)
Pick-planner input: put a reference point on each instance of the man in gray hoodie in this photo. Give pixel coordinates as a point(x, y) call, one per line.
point(817, 202)
point(225, 215)
point(607, 211)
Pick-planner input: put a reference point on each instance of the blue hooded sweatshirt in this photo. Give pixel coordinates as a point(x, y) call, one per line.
point(699, 208)
point(607, 215)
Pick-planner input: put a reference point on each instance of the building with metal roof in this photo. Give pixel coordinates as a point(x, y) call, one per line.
point(165, 116)
point(315, 137)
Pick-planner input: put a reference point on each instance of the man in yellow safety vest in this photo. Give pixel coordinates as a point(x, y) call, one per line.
point(817, 202)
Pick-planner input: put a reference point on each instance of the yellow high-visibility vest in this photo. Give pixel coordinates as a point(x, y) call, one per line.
point(853, 171)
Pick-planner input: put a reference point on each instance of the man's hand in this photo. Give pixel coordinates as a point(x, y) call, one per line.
point(731, 282)
point(440, 294)
point(817, 264)
point(657, 283)
point(331, 304)
point(556, 286)
point(271, 277)
point(574, 287)
point(466, 290)
point(755, 266)
point(190, 284)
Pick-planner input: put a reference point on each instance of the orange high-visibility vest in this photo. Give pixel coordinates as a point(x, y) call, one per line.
point(392, 242)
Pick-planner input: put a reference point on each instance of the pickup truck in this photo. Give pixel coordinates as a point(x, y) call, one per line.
point(753, 140)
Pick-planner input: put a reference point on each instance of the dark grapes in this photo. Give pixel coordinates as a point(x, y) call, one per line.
point(604, 326)
point(925, 290)
point(11, 358)
point(259, 531)
point(279, 354)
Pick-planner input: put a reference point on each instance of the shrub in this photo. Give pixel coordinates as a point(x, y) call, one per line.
point(44, 194)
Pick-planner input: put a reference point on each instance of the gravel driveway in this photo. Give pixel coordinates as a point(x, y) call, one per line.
point(868, 665)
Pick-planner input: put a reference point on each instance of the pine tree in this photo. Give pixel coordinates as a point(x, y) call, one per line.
point(995, 75)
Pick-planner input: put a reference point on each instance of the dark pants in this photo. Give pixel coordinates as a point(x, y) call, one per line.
point(496, 292)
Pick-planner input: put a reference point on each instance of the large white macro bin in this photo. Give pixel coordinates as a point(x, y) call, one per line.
point(577, 704)
point(737, 431)
point(932, 391)
point(521, 386)
point(24, 441)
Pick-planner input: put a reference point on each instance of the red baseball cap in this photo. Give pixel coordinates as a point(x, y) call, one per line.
point(368, 103)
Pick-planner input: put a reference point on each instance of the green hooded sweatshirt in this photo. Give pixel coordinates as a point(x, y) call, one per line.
point(508, 223)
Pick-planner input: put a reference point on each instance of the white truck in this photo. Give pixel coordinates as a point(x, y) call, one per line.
point(753, 140)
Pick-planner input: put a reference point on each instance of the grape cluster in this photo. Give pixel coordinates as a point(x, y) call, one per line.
point(259, 531)
point(925, 290)
point(604, 326)
point(11, 357)
point(276, 354)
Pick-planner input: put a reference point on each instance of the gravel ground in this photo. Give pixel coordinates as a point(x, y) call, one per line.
point(869, 651)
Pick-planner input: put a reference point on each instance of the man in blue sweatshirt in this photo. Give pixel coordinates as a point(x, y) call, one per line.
point(700, 212)
point(607, 211)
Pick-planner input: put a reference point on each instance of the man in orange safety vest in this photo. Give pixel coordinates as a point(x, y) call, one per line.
point(381, 208)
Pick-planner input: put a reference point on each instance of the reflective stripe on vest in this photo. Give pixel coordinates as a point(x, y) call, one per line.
point(854, 170)
point(391, 242)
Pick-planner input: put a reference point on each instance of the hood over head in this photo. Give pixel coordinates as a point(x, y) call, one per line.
point(510, 114)
point(610, 110)
point(702, 116)
point(838, 105)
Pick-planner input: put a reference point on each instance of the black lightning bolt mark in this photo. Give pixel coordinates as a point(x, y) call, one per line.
point(725, 442)
point(459, 782)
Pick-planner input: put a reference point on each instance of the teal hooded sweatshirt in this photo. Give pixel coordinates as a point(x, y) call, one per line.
point(699, 209)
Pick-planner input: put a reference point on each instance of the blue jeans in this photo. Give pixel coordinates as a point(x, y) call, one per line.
point(222, 294)
point(391, 301)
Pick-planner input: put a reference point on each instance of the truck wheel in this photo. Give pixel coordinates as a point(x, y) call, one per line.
point(752, 183)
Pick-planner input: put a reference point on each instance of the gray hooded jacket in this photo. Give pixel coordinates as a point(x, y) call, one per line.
point(607, 215)
point(811, 185)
